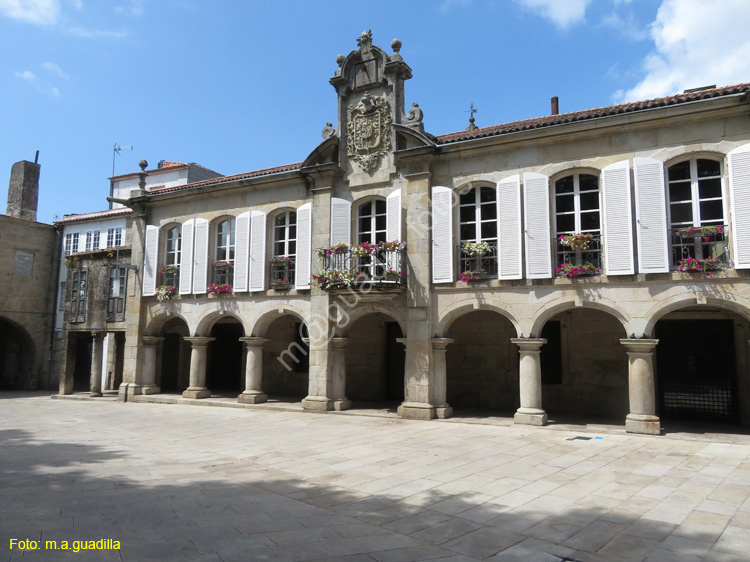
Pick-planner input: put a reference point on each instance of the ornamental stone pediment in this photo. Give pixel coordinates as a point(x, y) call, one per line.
point(369, 131)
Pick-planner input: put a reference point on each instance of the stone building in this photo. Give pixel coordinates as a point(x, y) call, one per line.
point(592, 262)
point(27, 285)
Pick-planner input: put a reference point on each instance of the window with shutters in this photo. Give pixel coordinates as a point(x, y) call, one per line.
point(170, 270)
point(371, 222)
point(577, 211)
point(224, 252)
point(284, 251)
point(477, 218)
point(696, 212)
point(78, 292)
point(116, 296)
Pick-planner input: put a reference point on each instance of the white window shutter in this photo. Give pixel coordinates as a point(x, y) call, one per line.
point(241, 251)
point(150, 257)
point(257, 251)
point(304, 247)
point(393, 216)
point(186, 257)
point(651, 216)
point(509, 253)
point(341, 221)
point(536, 218)
point(442, 235)
point(617, 219)
point(739, 191)
point(200, 257)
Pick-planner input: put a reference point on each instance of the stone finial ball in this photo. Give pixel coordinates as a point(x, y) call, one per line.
point(340, 59)
point(396, 45)
point(143, 164)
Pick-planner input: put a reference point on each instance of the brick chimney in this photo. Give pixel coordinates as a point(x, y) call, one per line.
point(23, 190)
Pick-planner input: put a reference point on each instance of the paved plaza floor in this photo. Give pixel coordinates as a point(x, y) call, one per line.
point(180, 482)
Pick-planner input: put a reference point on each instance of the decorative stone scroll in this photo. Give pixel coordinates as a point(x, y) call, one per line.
point(369, 131)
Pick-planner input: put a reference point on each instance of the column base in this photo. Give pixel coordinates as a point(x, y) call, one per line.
point(95, 394)
point(317, 404)
point(196, 392)
point(150, 389)
point(530, 416)
point(417, 411)
point(342, 404)
point(252, 397)
point(641, 423)
point(443, 412)
point(127, 391)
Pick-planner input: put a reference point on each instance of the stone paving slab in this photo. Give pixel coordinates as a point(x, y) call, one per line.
point(274, 483)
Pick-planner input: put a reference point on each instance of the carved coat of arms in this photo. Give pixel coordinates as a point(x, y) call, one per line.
point(369, 132)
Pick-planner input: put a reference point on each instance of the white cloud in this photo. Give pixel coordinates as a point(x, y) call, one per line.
point(134, 8)
point(33, 80)
point(562, 13)
point(697, 43)
point(83, 32)
point(54, 69)
point(27, 75)
point(40, 12)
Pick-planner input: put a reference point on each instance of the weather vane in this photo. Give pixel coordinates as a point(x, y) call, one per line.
point(115, 151)
point(471, 113)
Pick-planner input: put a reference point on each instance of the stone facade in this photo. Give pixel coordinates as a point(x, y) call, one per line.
point(578, 227)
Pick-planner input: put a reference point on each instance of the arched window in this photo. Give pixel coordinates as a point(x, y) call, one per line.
point(371, 222)
point(696, 210)
point(477, 217)
point(284, 250)
point(224, 252)
point(577, 211)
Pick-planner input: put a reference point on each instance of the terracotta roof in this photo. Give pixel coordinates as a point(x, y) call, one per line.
point(226, 179)
point(166, 165)
point(97, 215)
point(587, 114)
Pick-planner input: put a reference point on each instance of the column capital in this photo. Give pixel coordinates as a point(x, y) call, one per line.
point(98, 335)
point(439, 344)
point(199, 341)
point(339, 343)
point(639, 345)
point(529, 344)
point(151, 340)
point(254, 341)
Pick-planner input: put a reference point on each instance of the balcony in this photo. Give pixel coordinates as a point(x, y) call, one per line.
point(585, 254)
point(379, 267)
point(474, 268)
point(281, 273)
point(708, 245)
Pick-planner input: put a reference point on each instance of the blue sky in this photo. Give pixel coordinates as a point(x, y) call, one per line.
point(242, 85)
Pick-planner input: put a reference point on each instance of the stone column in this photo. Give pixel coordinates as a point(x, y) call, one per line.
point(440, 378)
point(337, 373)
point(253, 371)
point(198, 352)
point(530, 380)
point(642, 417)
point(96, 363)
point(148, 364)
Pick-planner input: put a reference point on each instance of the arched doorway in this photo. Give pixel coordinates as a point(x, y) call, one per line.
point(174, 376)
point(225, 372)
point(584, 365)
point(16, 356)
point(375, 360)
point(701, 365)
point(286, 359)
point(482, 364)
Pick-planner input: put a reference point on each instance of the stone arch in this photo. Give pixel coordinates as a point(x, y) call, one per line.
point(260, 327)
point(590, 170)
point(456, 310)
point(208, 320)
point(353, 315)
point(672, 304)
point(17, 355)
point(561, 304)
point(707, 154)
point(157, 323)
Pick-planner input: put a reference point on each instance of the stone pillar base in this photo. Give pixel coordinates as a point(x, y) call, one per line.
point(443, 412)
point(417, 411)
point(96, 394)
point(639, 423)
point(196, 392)
point(252, 397)
point(530, 416)
point(127, 390)
point(343, 404)
point(150, 389)
point(317, 404)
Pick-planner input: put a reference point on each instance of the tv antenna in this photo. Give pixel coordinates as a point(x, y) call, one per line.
point(115, 151)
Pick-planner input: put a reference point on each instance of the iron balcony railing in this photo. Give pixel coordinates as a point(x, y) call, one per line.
point(565, 255)
point(384, 267)
point(707, 243)
point(281, 273)
point(487, 262)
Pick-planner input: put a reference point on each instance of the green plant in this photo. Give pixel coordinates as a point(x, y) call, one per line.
point(576, 241)
point(164, 292)
point(475, 249)
point(570, 270)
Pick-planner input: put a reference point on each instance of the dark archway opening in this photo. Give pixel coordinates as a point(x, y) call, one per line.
point(225, 358)
point(16, 356)
point(175, 357)
point(82, 347)
point(286, 359)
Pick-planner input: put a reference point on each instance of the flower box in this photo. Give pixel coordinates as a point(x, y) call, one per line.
point(222, 265)
point(392, 276)
point(280, 285)
point(576, 241)
point(474, 275)
point(164, 292)
point(572, 271)
point(219, 290)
